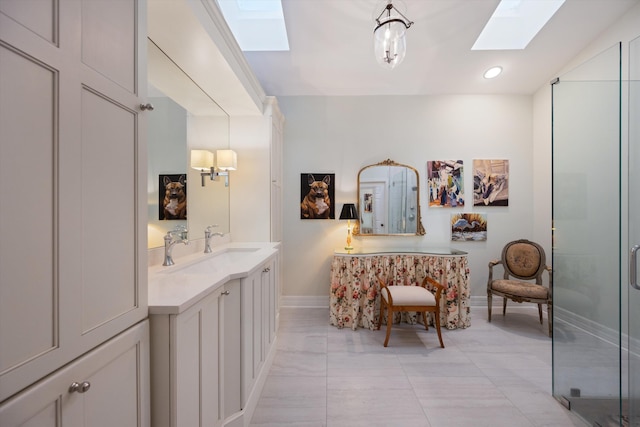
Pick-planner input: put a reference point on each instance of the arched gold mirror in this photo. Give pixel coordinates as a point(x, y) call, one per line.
point(388, 200)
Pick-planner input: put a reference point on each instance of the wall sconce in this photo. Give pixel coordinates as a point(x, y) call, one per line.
point(202, 160)
point(349, 212)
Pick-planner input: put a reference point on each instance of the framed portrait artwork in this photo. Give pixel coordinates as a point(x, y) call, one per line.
point(316, 196)
point(173, 196)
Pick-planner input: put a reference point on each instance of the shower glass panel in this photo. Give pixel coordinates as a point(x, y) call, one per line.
point(634, 231)
point(586, 254)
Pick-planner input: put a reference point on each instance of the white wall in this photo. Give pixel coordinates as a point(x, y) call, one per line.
point(343, 134)
point(250, 184)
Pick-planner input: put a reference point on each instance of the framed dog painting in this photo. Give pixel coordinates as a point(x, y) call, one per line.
point(173, 197)
point(316, 196)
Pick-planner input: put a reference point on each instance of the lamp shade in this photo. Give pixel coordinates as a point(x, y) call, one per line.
point(349, 211)
point(201, 159)
point(227, 160)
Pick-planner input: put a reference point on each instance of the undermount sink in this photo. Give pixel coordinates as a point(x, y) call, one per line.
point(227, 250)
point(213, 263)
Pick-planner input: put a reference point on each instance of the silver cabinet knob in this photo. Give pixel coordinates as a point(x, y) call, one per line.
point(147, 106)
point(79, 387)
point(226, 293)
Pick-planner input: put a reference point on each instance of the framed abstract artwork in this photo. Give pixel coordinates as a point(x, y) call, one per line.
point(491, 182)
point(445, 183)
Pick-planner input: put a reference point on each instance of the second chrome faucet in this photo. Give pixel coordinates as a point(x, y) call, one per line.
point(208, 234)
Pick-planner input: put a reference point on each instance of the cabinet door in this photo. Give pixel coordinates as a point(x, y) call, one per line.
point(273, 299)
point(232, 363)
point(196, 394)
point(114, 377)
point(250, 328)
point(73, 233)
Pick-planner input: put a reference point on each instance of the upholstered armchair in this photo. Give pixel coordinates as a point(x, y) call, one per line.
point(522, 261)
point(417, 298)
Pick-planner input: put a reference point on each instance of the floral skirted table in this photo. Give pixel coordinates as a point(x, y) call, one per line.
point(354, 295)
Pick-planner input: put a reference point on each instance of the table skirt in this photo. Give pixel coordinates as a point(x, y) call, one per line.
point(354, 295)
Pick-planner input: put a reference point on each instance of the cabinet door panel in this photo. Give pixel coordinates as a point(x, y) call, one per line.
point(232, 362)
point(196, 394)
point(117, 372)
point(248, 373)
point(109, 34)
point(29, 143)
point(117, 384)
point(108, 177)
point(36, 15)
point(257, 323)
point(188, 363)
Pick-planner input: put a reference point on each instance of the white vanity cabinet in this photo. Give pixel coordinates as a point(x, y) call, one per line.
point(195, 361)
point(213, 330)
point(106, 387)
point(259, 314)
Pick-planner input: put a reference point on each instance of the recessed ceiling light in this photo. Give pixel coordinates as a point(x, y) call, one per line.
point(257, 25)
point(515, 23)
point(492, 72)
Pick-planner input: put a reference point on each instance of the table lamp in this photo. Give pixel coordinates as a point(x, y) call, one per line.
point(349, 212)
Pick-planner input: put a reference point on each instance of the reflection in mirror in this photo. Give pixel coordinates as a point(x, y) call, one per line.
point(184, 118)
point(389, 200)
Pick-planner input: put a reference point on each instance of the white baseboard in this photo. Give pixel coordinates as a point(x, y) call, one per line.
point(323, 301)
point(304, 301)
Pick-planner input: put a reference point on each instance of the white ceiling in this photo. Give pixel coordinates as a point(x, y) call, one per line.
point(331, 49)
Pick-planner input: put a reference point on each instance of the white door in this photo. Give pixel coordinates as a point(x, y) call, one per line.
point(72, 149)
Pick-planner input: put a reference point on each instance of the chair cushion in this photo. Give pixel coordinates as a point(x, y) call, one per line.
point(522, 289)
point(409, 295)
point(523, 259)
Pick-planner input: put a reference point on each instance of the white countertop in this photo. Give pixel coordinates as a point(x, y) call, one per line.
point(173, 289)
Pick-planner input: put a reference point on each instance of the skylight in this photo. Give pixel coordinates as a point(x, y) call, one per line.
point(515, 23)
point(258, 25)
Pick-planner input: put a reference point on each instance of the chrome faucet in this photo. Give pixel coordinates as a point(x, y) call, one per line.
point(207, 237)
point(177, 235)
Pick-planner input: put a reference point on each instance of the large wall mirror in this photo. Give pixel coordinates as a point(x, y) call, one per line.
point(184, 118)
point(388, 200)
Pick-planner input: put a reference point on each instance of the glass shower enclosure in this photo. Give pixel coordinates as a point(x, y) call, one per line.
point(586, 238)
point(596, 202)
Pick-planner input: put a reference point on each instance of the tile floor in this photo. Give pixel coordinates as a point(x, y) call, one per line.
point(491, 374)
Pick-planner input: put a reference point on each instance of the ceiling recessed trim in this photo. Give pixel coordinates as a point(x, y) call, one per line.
point(515, 23)
point(493, 72)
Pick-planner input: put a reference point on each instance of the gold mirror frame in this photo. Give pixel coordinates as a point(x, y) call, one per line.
point(362, 210)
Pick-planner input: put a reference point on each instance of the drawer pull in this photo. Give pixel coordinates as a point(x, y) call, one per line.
point(266, 270)
point(226, 293)
point(79, 387)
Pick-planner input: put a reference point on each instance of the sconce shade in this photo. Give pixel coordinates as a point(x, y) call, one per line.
point(349, 211)
point(201, 159)
point(227, 160)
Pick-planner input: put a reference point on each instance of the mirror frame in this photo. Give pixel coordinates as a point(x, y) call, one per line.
point(420, 231)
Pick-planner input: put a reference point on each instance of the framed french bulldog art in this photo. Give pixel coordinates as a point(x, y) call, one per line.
point(173, 197)
point(316, 196)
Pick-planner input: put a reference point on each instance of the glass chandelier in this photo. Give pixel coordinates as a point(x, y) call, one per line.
point(389, 36)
